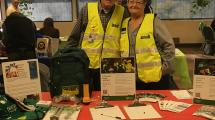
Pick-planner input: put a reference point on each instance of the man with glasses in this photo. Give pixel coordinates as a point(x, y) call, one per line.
point(97, 32)
point(14, 7)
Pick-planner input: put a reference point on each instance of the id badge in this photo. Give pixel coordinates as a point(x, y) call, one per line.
point(91, 38)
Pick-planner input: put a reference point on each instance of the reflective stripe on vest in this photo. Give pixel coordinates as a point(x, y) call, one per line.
point(96, 36)
point(147, 56)
point(98, 51)
point(97, 43)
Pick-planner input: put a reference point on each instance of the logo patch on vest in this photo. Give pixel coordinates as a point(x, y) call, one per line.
point(115, 25)
point(123, 30)
point(145, 37)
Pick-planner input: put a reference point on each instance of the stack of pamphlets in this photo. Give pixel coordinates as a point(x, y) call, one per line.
point(62, 112)
point(181, 94)
point(173, 106)
point(150, 97)
point(206, 111)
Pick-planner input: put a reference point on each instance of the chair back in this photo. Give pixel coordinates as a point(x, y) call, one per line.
point(208, 46)
point(208, 34)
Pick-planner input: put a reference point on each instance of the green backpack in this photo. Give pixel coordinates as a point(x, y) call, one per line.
point(69, 71)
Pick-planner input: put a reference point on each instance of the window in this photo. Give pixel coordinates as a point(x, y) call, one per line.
point(81, 3)
point(180, 9)
point(0, 14)
point(38, 10)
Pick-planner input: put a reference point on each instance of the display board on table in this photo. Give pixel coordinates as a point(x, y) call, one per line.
point(22, 78)
point(204, 81)
point(118, 78)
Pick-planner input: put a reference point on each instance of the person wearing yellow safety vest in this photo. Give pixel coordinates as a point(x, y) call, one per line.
point(144, 37)
point(98, 32)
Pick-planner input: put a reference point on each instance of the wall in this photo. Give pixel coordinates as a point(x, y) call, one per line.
point(2, 9)
point(186, 30)
point(64, 27)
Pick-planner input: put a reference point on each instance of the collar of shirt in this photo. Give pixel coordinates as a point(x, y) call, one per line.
point(102, 10)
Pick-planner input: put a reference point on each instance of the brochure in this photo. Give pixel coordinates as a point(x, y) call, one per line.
point(109, 113)
point(150, 97)
point(22, 78)
point(204, 81)
point(181, 94)
point(62, 112)
point(173, 106)
point(118, 78)
point(206, 111)
point(142, 112)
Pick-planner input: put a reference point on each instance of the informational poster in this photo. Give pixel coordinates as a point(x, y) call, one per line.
point(118, 79)
point(204, 81)
point(22, 78)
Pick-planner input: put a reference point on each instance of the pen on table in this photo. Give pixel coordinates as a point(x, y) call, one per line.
point(97, 107)
point(112, 116)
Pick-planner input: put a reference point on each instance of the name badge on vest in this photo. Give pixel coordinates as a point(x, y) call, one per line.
point(92, 35)
point(115, 25)
point(145, 37)
point(91, 38)
point(123, 30)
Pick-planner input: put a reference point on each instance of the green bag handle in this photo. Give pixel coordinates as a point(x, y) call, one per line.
point(72, 51)
point(76, 54)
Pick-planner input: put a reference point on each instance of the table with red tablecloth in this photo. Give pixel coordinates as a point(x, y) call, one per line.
point(166, 115)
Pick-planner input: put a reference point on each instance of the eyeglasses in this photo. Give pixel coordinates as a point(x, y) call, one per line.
point(133, 2)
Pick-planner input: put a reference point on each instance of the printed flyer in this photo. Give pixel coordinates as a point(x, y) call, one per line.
point(22, 78)
point(118, 79)
point(204, 81)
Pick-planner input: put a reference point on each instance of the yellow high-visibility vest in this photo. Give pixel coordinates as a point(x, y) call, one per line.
point(98, 43)
point(148, 59)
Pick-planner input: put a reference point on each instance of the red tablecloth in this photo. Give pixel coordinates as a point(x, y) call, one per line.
point(166, 115)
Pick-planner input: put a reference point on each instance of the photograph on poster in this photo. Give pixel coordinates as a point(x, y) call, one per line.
point(205, 67)
point(117, 65)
